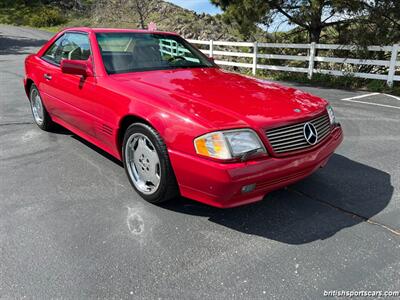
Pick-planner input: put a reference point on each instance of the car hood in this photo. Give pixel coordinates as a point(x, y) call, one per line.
point(228, 99)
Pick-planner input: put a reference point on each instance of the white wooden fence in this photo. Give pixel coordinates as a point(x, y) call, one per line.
point(172, 48)
point(390, 64)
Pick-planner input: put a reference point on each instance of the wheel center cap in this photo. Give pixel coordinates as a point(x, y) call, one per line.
point(144, 162)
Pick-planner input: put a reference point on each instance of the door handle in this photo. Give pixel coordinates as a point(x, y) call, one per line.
point(47, 76)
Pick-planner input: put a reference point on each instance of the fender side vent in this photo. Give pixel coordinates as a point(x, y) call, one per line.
point(106, 129)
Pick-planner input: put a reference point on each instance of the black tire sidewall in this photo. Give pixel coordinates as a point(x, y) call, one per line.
point(165, 190)
point(47, 122)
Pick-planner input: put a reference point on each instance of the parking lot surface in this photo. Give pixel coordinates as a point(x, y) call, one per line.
point(72, 227)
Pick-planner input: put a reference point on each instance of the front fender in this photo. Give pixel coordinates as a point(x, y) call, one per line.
point(176, 129)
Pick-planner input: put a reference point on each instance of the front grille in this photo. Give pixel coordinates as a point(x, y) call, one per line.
point(291, 138)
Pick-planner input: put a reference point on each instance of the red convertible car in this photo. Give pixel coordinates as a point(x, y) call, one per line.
point(180, 124)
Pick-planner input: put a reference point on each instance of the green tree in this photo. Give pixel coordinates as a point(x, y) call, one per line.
point(314, 16)
point(378, 22)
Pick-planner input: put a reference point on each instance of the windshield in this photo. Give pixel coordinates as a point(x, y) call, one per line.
point(131, 52)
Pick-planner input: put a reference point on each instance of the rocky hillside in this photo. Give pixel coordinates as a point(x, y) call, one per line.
point(55, 14)
point(167, 16)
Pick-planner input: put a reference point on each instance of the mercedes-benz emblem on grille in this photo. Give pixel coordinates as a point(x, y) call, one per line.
point(310, 133)
point(297, 110)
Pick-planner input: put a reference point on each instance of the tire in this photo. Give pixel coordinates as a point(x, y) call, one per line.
point(39, 112)
point(146, 159)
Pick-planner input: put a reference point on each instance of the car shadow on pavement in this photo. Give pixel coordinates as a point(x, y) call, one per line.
point(59, 130)
point(341, 195)
point(15, 45)
point(98, 150)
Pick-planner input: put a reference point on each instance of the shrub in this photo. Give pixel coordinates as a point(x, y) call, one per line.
point(347, 82)
point(46, 17)
point(376, 85)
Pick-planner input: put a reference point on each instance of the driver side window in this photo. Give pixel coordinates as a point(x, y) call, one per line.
point(53, 54)
point(70, 46)
point(76, 46)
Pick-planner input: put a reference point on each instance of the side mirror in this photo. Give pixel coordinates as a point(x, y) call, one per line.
point(211, 59)
point(76, 67)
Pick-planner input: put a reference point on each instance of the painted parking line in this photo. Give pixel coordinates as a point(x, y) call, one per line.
point(352, 99)
point(360, 96)
point(394, 97)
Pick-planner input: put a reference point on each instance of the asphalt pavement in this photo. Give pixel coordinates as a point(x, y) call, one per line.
point(72, 227)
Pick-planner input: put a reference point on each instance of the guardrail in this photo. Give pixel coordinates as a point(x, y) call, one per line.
point(390, 64)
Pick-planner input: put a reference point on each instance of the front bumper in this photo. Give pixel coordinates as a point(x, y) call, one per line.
point(220, 184)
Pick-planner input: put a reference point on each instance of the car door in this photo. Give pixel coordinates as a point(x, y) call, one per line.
point(48, 71)
point(71, 96)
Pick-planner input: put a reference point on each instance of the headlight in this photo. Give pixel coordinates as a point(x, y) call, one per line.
point(228, 144)
point(331, 114)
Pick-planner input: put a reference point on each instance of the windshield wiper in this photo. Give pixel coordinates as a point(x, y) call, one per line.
point(189, 66)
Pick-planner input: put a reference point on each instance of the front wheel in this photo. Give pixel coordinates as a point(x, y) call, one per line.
point(147, 164)
point(39, 112)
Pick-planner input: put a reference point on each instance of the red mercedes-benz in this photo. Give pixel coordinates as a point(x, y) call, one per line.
point(180, 124)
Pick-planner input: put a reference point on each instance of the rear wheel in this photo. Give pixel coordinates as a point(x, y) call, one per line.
point(39, 112)
point(147, 164)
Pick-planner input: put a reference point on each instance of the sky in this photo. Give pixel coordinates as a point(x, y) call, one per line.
point(205, 6)
point(198, 6)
